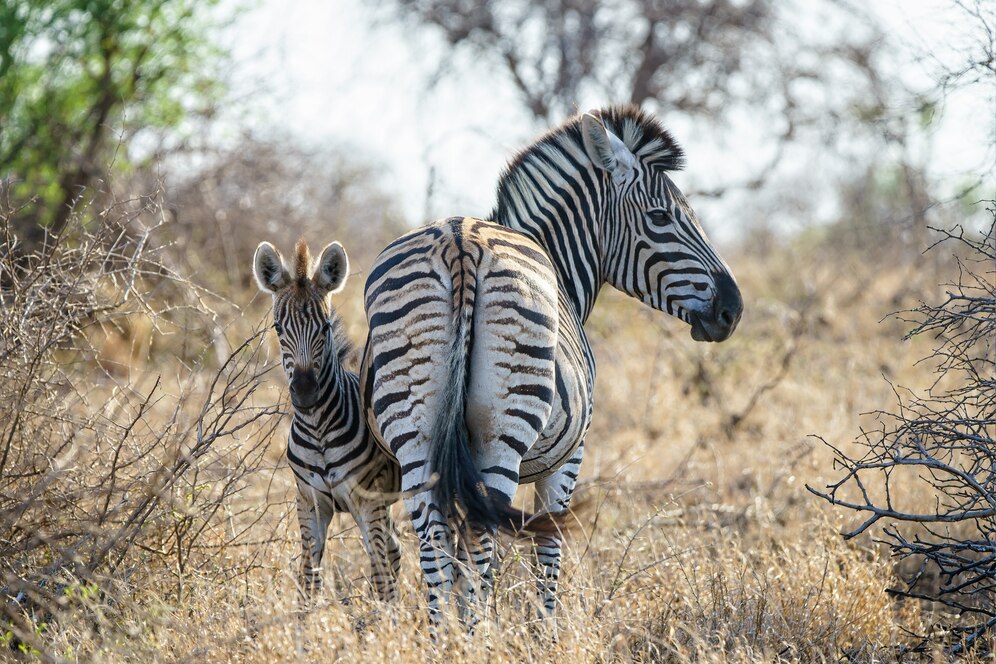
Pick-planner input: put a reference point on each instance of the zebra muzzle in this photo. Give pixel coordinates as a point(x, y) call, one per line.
point(304, 388)
point(727, 307)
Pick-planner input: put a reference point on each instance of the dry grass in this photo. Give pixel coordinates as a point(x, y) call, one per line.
point(703, 545)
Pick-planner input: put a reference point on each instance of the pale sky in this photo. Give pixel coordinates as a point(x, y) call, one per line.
point(331, 77)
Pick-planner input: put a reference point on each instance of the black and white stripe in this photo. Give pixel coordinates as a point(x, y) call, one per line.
point(478, 375)
point(337, 464)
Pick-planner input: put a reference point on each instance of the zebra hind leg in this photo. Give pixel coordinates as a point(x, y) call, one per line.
point(553, 494)
point(436, 554)
point(475, 565)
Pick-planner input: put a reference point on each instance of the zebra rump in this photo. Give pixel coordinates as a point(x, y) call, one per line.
point(463, 495)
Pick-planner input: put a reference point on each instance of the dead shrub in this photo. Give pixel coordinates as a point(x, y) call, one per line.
point(108, 468)
point(927, 471)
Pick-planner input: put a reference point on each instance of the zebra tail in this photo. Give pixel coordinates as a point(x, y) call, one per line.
point(461, 494)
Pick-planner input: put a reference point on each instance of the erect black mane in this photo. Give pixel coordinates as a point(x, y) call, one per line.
point(642, 133)
point(301, 269)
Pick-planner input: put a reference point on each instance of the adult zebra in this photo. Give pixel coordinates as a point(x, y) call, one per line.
point(338, 466)
point(477, 375)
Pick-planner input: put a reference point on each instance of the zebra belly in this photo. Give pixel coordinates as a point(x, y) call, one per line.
point(317, 491)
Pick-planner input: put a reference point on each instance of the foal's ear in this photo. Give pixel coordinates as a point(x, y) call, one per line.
point(268, 268)
point(332, 269)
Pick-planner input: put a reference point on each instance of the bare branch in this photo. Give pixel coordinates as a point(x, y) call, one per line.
point(939, 448)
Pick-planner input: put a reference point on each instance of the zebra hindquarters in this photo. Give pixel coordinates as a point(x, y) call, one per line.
point(458, 380)
point(511, 382)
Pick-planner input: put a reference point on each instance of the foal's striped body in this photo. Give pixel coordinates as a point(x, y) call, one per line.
point(337, 464)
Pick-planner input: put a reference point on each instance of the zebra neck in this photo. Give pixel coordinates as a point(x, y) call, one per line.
point(562, 210)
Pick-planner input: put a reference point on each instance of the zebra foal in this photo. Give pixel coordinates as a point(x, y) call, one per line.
point(477, 371)
point(337, 464)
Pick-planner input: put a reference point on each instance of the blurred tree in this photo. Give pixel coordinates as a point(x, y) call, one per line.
point(79, 79)
point(277, 190)
point(789, 67)
point(891, 202)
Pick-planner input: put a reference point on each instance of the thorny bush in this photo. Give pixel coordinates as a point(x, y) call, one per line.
point(115, 461)
point(939, 450)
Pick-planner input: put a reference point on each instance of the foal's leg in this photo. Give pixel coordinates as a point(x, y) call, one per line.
point(314, 513)
point(380, 539)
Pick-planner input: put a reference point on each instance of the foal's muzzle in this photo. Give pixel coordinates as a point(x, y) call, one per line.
point(304, 388)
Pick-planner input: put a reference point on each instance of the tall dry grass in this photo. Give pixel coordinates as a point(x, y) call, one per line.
point(147, 510)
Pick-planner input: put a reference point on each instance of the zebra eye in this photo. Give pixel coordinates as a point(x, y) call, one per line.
point(278, 327)
point(658, 216)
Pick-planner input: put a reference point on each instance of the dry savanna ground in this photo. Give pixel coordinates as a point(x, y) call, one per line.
point(701, 541)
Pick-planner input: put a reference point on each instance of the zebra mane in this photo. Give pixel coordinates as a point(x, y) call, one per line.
point(302, 262)
point(345, 350)
point(642, 133)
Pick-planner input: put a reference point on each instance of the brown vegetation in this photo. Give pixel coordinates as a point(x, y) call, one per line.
point(147, 507)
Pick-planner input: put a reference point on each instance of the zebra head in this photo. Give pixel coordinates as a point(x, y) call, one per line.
point(308, 328)
point(653, 247)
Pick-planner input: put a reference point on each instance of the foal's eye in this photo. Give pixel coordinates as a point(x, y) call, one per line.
point(278, 327)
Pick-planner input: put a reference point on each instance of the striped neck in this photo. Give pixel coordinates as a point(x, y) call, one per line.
point(555, 196)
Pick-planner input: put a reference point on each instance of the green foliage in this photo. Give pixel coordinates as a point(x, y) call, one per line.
point(79, 78)
point(83, 591)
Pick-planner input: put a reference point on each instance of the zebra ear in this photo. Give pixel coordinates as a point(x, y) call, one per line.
point(332, 269)
point(606, 150)
point(268, 268)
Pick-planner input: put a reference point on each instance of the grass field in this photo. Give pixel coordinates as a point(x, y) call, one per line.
point(701, 543)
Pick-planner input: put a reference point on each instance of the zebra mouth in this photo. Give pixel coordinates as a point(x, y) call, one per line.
point(723, 316)
point(704, 329)
point(699, 331)
point(301, 403)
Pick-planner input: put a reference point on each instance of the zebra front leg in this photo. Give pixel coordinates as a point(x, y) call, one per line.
point(380, 539)
point(314, 514)
point(553, 494)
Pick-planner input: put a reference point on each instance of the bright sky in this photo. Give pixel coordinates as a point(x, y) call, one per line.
point(328, 75)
